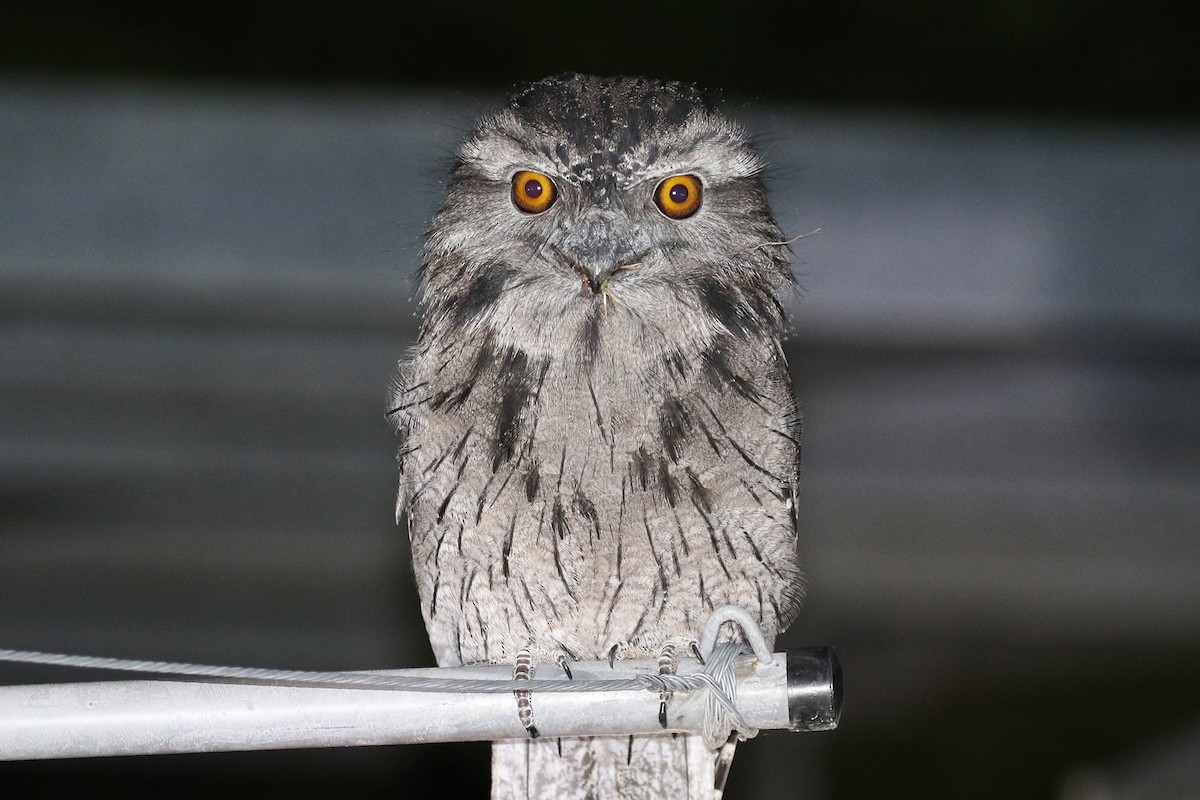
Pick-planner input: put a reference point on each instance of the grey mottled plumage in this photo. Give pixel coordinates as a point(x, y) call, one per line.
point(600, 441)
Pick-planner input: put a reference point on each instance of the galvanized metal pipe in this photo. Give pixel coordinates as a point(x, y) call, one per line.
point(142, 717)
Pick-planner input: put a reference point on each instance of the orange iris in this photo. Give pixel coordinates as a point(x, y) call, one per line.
point(533, 192)
point(679, 196)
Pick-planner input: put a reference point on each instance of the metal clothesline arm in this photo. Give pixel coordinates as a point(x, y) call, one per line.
point(800, 690)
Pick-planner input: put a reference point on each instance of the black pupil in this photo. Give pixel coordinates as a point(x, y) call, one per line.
point(678, 194)
point(533, 188)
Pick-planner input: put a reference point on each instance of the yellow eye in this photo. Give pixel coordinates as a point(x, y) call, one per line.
point(679, 196)
point(532, 192)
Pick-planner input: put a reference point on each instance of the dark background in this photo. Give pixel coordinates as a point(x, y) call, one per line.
point(209, 216)
point(1119, 58)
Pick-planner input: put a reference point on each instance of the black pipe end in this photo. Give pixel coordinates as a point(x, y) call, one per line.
point(814, 688)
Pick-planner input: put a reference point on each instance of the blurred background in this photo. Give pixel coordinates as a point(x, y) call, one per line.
point(210, 215)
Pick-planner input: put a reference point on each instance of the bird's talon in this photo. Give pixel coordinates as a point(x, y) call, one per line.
point(668, 662)
point(566, 668)
point(523, 671)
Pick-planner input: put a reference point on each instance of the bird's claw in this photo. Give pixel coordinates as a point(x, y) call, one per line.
point(562, 660)
point(523, 670)
point(668, 663)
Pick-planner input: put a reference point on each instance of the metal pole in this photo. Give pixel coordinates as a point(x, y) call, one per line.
point(162, 716)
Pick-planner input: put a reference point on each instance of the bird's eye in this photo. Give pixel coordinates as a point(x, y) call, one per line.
point(679, 196)
point(533, 192)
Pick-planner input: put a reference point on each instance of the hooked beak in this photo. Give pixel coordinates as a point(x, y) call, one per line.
point(595, 279)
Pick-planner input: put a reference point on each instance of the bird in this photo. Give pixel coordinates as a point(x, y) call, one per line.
point(600, 443)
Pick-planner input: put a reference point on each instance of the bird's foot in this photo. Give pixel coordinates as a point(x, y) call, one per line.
point(669, 653)
point(668, 664)
point(523, 670)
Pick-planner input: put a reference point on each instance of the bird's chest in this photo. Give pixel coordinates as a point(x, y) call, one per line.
point(550, 463)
